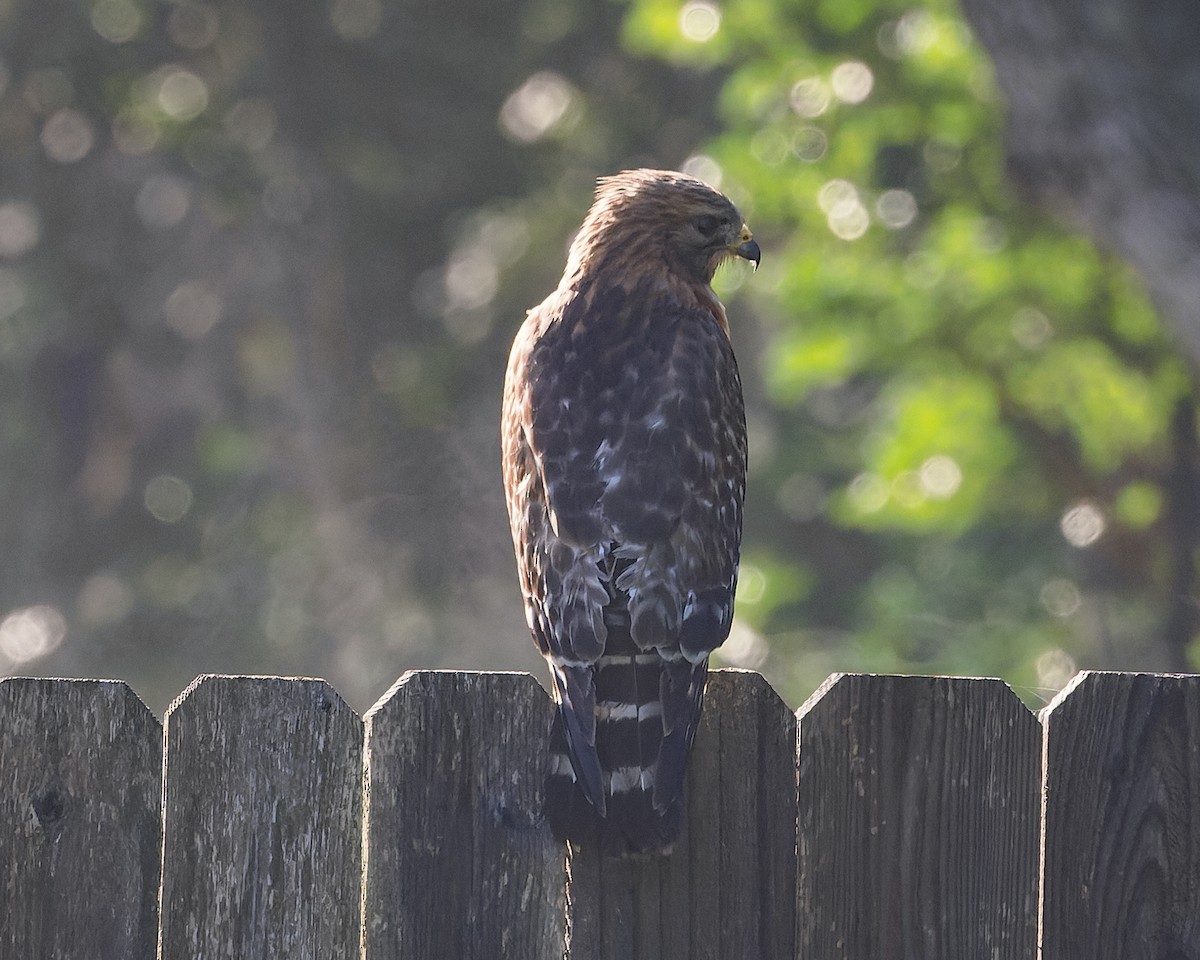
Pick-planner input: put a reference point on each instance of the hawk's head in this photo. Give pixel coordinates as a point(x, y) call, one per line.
point(645, 219)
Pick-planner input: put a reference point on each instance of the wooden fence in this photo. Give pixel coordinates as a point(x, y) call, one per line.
point(271, 822)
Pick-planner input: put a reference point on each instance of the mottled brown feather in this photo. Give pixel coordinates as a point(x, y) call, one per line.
point(624, 444)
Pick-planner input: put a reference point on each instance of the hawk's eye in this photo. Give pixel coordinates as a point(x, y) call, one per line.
point(707, 224)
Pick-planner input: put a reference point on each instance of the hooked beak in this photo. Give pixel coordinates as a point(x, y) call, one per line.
point(748, 248)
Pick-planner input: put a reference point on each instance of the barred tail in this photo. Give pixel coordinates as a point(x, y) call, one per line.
point(625, 788)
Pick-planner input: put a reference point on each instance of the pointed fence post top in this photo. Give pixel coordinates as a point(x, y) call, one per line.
point(952, 691)
point(735, 683)
point(1112, 686)
point(455, 683)
point(264, 692)
point(75, 691)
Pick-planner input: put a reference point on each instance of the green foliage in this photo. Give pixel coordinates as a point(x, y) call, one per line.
point(948, 373)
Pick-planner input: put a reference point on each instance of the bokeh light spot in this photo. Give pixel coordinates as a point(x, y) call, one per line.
point(847, 217)
point(752, 583)
point(469, 284)
point(849, 222)
point(896, 209)
point(834, 193)
point(887, 41)
point(1055, 668)
point(1060, 597)
point(104, 599)
point(1031, 328)
point(699, 20)
point(916, 32)
point(745, 647)
point(868, 492)
point(940, 477)
point(67, 136)
point(537, 107)
point(193, 308)
point(809, 144)
point(1083, 524)
point(810, 97)
point(168, 498)
point(703, 167)
point(852, 81)
point(31, 632)
point(505, 235)
point(182, 95)
point(471, 278)
point(20, 228)
point(770, 147)
point(117, 21)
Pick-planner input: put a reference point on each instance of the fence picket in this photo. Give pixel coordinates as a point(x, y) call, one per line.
point(918, 820)
point(262, 821)
point(80, 769)
point(1122, 812)
point(727, 889)
point(459, 862)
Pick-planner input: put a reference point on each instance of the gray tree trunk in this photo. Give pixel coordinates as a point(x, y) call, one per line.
point(1104, 129)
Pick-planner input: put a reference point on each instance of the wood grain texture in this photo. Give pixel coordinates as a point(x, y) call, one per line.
point(459, 861)
point(80, 768)
point(727, 888)
point(1122, 819)
point(262, 821)
point(918, 820)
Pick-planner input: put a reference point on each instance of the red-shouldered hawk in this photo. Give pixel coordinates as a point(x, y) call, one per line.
point(624, 441)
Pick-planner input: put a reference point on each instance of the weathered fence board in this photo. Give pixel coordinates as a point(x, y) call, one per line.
point(728, 888)
point(80, 773)
point(1122, 814)
point(262, 822)
point(918, 820)
point(459, 862)
point(911, 834)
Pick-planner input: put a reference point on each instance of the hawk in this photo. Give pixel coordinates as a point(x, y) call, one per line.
point(624, 445)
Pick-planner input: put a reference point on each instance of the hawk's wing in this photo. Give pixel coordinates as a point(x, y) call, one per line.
point(625, 460)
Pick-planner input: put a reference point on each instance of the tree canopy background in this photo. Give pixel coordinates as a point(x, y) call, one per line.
point(261, 262)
